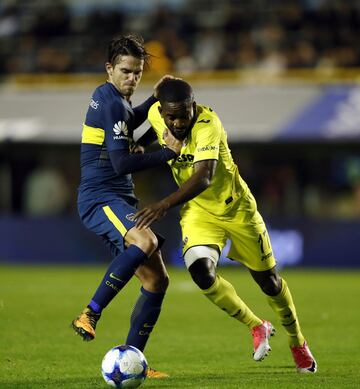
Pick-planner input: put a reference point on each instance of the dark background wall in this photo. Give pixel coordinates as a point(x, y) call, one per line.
point(306, 192)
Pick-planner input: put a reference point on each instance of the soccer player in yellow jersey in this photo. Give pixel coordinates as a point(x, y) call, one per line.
point(218, 205)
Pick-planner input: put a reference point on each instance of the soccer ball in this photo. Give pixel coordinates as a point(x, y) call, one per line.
point(124, 367)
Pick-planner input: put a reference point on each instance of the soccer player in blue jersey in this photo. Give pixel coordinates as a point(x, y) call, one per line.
point(106, 199)
point(218, 205)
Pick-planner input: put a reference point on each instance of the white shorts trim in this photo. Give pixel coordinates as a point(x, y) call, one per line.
point(196, 252)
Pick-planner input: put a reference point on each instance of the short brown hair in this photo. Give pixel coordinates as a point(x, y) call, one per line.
point(131, 44)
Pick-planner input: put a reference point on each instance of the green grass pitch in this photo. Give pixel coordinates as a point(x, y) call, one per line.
point(197, 344)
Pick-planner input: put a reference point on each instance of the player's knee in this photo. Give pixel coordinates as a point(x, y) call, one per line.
point(147, 241)
point(152, 242)
point(271, 285)
point(204, 281)
point(203, 273)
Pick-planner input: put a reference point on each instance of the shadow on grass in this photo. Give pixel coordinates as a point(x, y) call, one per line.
point(66, 383)
point(277, 368)
point(242, 379)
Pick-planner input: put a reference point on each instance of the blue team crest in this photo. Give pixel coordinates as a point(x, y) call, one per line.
point(131, 217)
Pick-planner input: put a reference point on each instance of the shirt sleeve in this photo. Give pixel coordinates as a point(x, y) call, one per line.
point(117, 134)
point(94, 113)
point(141, 111)
point(207, 140)
point(125, 163)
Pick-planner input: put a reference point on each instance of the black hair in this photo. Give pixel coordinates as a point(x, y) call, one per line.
point(131, 44)
point(174, 91)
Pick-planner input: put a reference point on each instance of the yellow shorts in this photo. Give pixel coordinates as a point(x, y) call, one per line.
point(245, 228)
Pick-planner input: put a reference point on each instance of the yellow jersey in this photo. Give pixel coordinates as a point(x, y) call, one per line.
point(206, 140)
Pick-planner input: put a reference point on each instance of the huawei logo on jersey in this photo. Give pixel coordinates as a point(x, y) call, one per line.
point(120, 129)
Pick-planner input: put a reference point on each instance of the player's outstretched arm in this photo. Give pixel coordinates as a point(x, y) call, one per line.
point(197, 183)
point(124, 162)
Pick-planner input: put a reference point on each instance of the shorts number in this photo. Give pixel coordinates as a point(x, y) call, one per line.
point(261, 241)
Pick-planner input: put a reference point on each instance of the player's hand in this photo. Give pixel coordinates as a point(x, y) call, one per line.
point(148, 215)
point(162, 79)
point(137, 149)
point(171, 142)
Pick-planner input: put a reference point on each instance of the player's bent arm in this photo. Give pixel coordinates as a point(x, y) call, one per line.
point(124, 163)
point(197, 183)
point(141, 111)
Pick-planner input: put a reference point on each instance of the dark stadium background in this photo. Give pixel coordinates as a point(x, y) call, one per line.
point(283, 76)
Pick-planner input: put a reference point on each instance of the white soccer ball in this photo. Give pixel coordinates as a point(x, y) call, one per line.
point(124, 367)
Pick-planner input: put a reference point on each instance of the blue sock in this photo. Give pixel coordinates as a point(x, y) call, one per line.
point(144, 317)
point(121, 269)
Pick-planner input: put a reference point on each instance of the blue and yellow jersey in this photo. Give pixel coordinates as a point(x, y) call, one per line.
point(207, 140)
point(108, 126)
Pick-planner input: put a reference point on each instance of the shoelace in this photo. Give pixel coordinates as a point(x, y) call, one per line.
point(93, 318)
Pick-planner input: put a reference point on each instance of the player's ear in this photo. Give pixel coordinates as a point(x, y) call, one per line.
point(160, 110)
point(109, 68)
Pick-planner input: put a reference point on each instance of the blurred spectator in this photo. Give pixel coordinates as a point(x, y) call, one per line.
point(273, 62)
point(208, 45)
point(46, 191)
point(191, 35)
point(9, 22)
point(184, 63)
point(52, 20)
point(160, 63)
point(52, 60)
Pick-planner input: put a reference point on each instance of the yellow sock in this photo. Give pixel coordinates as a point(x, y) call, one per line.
point(223, 294)
point(284, 306)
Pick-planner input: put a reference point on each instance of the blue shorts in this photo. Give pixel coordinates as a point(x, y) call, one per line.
point(111, 220)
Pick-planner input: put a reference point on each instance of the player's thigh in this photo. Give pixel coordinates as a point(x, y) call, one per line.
point(250, 243)
point(202, 229)
point(152, 273)
point(111, 220)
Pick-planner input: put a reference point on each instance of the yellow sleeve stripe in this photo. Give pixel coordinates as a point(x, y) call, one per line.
point(114, 220)
point(95, 136)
